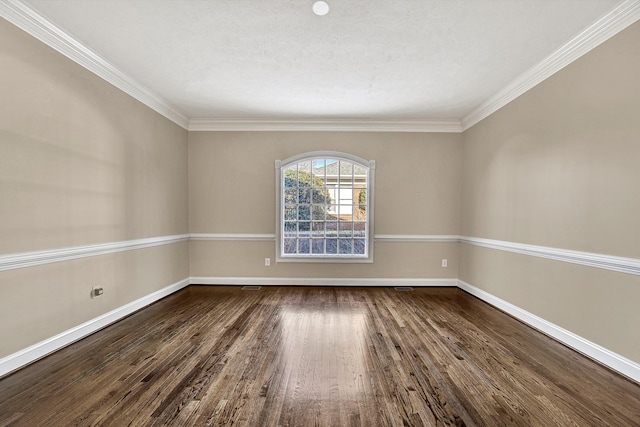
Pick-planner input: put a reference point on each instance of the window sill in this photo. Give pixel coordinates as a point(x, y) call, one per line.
point(325, 260)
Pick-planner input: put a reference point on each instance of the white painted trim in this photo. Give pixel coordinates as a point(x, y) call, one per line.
point(607, 262)
point(233, 237)
point(338, 125)
point(614, 361)
point(312, 281)
point(370, 166)
point(37, 351)
point(418, 238)
point(378, 237)
point(611, 24)
point(30, 259)
point(30, 21)
point(26, 18)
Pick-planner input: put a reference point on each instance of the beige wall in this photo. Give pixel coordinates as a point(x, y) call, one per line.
point(232, 190)
point(83, 163)
point(558, 167)
point(80, 163)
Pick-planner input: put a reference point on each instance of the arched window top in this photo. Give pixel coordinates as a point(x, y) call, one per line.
point(325, 208)
point(312, 155)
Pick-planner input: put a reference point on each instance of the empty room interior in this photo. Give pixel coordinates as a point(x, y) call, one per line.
point(301, 212)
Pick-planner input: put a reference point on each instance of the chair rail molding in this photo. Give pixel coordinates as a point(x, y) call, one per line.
point(30, 259)
point(607, 262)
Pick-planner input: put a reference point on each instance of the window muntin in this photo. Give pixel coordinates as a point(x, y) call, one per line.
point(324, 208)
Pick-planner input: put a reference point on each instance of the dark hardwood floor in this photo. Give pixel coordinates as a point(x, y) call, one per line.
point(300, 356)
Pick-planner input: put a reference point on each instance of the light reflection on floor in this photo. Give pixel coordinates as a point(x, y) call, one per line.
point(323, 354)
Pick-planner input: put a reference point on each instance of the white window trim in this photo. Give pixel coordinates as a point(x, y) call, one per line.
point(370, 165)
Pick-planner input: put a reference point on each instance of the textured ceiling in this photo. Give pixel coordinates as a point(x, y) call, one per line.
point(373, 59)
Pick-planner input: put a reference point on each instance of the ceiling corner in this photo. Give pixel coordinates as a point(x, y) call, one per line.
point(42, 29)
point(609, 25)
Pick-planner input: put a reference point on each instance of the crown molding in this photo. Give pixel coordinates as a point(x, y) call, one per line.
point(44, 30)
point(609, 25)
point(338, 125)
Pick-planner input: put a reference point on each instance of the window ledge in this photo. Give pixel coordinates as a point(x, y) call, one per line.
point(326, 260)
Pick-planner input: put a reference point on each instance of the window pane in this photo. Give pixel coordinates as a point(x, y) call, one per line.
point(318, 173)
point(345, 196)
point(304, 213)
point(304, 228)
point(290, 176)
point(345, 225)
point(358, 246)
point(359, 225)
point(317, 246)
point(318, 212)
point(359, 195)
point(290, 229)
point(304, 196)
point(345, 246)
point(317, 229)
point(290, 213)
point(290, 196)
point(304, 246)
point(332, 246)
point(304, 174)
point(346, 229)
point(332, 170)
point(321, 196)
point(346, 169)
point(332, 229)
point(346, 213)
point(289, 246)
point(359, 172)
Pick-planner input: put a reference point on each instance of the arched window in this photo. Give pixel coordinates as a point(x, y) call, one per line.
point(324, 208)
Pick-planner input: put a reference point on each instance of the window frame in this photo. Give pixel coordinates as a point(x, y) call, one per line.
point(369, 165)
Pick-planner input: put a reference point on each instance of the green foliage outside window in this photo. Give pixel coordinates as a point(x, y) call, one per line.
point(362, 199)
point(300, 190)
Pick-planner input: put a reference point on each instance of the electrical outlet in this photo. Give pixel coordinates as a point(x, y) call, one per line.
point(267, 262)
point(444, 262)
point(96, 291)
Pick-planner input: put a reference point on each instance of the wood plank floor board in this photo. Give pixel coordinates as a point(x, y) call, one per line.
point(296, 356)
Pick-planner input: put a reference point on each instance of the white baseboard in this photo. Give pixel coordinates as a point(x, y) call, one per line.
point(37, 351)
point(308, 281)
point(608, 358)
